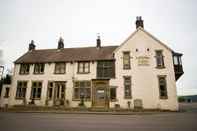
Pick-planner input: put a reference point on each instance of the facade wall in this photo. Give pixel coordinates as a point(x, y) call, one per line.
point(144, 79)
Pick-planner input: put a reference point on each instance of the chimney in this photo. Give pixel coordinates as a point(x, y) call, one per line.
point(32, 46)
point(139, 22)
point(98, 42)
point(60, 43)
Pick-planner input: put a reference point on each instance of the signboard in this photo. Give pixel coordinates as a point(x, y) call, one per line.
point(143, 60)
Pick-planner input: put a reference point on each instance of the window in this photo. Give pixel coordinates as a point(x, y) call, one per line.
point(39, 68)
point(126, 60)
point(127, 86)
point(50, 90)
point(113, 93)
point(36, 90)
point(7, 90)
point(83, 67)
point(159, 59)
point(162, 87)
point(82, 88)
point(106, 69)
point(21, 89)
point(60, 68)
point(24, 68)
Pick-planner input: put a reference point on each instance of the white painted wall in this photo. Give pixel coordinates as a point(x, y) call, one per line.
point(144, 78)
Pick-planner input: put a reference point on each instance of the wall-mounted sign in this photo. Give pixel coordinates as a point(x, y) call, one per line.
point(143, 60)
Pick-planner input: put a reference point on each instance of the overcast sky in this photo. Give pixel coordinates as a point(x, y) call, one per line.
point(174, 22)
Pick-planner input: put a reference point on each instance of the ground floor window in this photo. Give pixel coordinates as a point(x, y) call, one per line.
point(127, 87)
point(82, 89)
point(50, 90)
point(36, 90)
point(21, 89)
point(162, 87)
point(7, 90)
point(113, 93)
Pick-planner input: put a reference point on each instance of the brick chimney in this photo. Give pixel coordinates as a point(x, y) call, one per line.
point(60, 43)
point(139, 22)
point(32, 46)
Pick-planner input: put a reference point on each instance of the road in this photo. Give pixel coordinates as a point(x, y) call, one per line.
point(183, 121)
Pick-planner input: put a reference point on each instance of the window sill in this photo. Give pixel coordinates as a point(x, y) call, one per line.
point(59, 73)
point(128, 97)
point(163, 97)
point(35, 98)
point(23, 73)
point(126, 68)
point(83, 73)
point(38, 73)
point(160, 67)
point(19, 98)
point(80, 100)
point(113, 100)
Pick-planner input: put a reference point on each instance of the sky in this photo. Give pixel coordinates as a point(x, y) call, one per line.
point(78, 22)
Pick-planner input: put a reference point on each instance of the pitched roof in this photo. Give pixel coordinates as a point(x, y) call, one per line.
point(67, 55)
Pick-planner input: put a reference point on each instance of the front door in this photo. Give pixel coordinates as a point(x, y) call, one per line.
point(59, 93)
point(100, 95)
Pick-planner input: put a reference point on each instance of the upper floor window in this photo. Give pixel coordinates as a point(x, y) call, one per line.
point(39, 68)
point(83, 67)
point(60, 68)
point(126, 60)
point(36, 90)
point(24, 68)
point(162, 87)
point(21, 89)
point(127, 86)
point(106, 69)
point(159, 58)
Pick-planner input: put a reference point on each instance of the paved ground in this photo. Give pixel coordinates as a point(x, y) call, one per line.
point(184, 121)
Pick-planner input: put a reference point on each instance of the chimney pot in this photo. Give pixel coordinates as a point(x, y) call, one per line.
point(32, 46)
point(98, 42)
point(139, 22)
point(60, 43)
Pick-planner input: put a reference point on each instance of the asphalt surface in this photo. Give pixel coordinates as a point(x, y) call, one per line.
point(181, 121)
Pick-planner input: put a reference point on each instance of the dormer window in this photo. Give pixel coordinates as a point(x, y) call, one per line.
point(24, 68)
point(39, 68)
point(159, 59)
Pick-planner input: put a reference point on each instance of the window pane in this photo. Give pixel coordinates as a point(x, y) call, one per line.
point(112, 93)
point(162, 87)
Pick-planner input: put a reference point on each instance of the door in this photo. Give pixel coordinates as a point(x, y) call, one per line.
point(100, 95)
point(59, 93)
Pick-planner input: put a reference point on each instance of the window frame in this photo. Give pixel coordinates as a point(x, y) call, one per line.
point(129, 84)
point(83, 63)
point(126, 66)
point(7, 92)
point(80, 88)
point(24, 69)
point(36, 90)
point(39, 66)
point(160, 58)
point(60, 68)
point(22, 94)
point(114, 99)
point(165, 91)
point(106, 69)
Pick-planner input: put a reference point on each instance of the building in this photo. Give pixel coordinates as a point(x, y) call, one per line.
point(139, 73)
